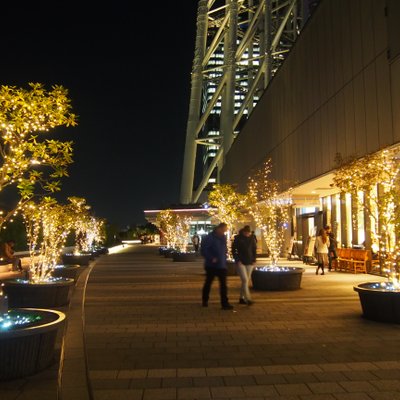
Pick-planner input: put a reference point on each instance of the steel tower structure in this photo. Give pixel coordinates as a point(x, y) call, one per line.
point(240, 44)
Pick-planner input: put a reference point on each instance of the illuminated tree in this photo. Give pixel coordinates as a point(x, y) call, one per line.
point(88, 229)
point(28, 160)
point(47, 226)
point(166, 222)
point(374, 181)
point(228, 204)
point(174, 228)
point(228, 207)
point(182, 232)
point(269, 208)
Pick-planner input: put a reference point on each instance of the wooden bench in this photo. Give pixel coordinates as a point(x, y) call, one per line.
point(352, 260)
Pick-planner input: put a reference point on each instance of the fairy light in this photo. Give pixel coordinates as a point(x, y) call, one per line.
point(25, 114)
point(13, 320)
point(228, 206)
point(269, 208)
point(175, 229)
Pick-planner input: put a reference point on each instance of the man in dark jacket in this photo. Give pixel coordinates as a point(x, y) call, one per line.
point(244, 250)
point(213, 249)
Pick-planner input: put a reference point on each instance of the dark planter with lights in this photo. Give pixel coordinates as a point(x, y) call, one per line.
point(79, 259)
point(68, 271)
point(379, 302)
point(28, 348)
point(22, 293)
point(277, 279)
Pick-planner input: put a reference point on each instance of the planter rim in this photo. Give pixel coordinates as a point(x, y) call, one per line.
point(61, 266)
point(290, 270)
point(35, 329)
point(59, 282)
point(77, 255)
point(363, 287)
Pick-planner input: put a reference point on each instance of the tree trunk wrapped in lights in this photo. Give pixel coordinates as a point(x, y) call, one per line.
point(166, 222)
point(88, 229)
point(47, 226)
point(377, 177)
point(269, 208)
point(174, 228)
point(28, 160)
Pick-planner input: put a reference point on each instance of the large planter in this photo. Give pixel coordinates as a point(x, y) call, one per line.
point(379, 302)
point(68, 271)
point(276, 279)
point(169, 253)
point(28, 349)
point(184, 257)
point(51, 294)
point(80, 259)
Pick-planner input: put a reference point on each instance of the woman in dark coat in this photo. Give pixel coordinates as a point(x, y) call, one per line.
point(244, 252)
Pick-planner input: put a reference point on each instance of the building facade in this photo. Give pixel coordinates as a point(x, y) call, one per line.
point(337, 93)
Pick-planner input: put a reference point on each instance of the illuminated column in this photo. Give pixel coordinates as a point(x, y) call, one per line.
point(195, 105)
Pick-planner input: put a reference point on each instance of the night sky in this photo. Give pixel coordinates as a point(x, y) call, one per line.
point(128, 75)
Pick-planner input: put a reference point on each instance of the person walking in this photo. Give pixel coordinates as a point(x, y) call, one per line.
point(322, 249)
point(332, 254)
point(244, 252)
point(213, 249)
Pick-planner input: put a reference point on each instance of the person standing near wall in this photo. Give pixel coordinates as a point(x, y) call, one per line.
point(244, 252)
point(322, 250)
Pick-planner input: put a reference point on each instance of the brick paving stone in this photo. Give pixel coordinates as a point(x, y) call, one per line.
point(239, 380)
point(357, 386)
point(191, 372)
point(318, 397)
point(177, 382)
point(292, 389)
point(220, 372)
point(385, 395)
point(208, 381)
point(227, 392)
point(269, 379)
point(198, 393)
point(130, 373)
point(161, 373)
point(118, 394)
point(260, 390)
point(386, 385)
point(300, 378)
point(352, 396)
point(159, 394)
point(325, 387)
point(145, 383)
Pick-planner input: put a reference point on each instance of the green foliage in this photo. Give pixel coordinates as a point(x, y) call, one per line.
point(228, 203)
point(28, 160)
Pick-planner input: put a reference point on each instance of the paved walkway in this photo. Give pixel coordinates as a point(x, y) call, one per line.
point(147, 337)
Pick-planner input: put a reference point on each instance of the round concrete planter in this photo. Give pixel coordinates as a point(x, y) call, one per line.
point(27, 350)
point(169, 253)
point(281, 278)
point(183, 257)
point(79, 259)
point(42, 295)
point(379, 303)
point(68, 271)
